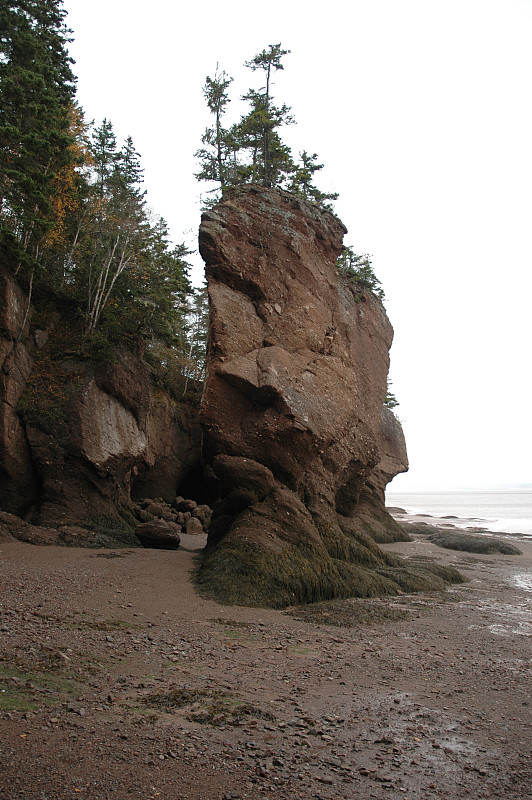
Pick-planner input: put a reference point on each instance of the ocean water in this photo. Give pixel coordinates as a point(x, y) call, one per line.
point(504, 510)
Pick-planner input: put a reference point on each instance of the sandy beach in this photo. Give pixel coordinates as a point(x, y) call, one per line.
point(118, 681)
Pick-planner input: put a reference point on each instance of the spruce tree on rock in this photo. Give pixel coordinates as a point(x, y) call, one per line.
point(216, 151)
point(269, 160)
point(358, 269)
point(251, 150)
point(268, 61)
point(303, 181)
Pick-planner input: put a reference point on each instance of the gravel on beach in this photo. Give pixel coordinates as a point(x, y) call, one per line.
point(117, 680)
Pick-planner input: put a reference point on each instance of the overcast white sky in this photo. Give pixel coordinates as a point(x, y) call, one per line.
point(421, 111)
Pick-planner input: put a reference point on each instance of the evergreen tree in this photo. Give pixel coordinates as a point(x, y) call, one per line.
point(36, 94)
point(390, 400)
point(69, 188)
point(158, 289)
point(197, 328)
point(216, 152)
point(303, 177)
point(120, 234)
point(122, 269)
point(251, 150)
point(72, 201)
point(128, 170)
point(266, 117)
point(268, 160)
point(360, 273)
point(103, 157)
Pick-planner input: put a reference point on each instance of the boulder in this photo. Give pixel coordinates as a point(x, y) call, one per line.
point(159, 535)
point(204, 514)
point(158, 508)
point(194, 526)
point(184, 505)
point(12, 526)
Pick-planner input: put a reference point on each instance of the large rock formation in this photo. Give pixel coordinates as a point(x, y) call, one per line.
point(295, 434)
point(80, 439)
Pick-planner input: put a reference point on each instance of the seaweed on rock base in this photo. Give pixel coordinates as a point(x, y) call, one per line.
point(243, 573)
point(485, 544)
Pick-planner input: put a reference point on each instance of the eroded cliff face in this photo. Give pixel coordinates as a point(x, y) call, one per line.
point(18, 478)
point(296, 443)
point(295, 433)
point(79, 439)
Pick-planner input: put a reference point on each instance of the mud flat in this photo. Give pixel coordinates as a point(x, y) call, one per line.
point(118, 681)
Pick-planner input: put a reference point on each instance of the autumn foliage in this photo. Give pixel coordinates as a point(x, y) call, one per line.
point(74, 219)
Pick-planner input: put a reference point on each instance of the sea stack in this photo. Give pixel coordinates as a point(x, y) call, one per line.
point(297, 441)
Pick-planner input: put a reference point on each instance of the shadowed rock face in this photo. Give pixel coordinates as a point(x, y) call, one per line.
point(294, 426)
point(19, 486)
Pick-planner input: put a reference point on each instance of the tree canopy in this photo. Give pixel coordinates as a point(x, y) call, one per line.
point(37, 88)
point(74, 217)
point(251, 150)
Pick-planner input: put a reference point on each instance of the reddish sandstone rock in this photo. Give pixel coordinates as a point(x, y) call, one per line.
point(194, 526)
point(14, 527)
point(159, 534)
point(79, 438)
point(294, 429)
point(19, 486)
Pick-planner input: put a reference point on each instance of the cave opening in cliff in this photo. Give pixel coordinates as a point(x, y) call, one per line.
point(195, 487)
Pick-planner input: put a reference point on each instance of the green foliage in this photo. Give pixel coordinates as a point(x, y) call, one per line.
point(391, 400)
point(360, 273)
point(261, 155)
point(216, 151)
point(303, 177)
point(197, 324)
point(130, 279)
point(180, 369)
point(267, 61)
point(113, 258)
point(73, 214)
point(271, 159)
point(36, 93)
point(251, 150)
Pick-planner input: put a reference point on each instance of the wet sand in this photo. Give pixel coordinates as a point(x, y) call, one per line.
point(136, 687)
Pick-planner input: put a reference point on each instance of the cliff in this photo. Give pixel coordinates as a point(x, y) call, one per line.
point(81, 439)
point(296, 439)
point(297, 447)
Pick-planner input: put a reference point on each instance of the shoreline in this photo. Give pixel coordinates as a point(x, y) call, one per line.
point(452, 522)
point(502, 512)
point(140, 688)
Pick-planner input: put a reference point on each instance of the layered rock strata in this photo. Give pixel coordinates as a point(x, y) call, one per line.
point(296, 438)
